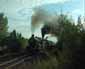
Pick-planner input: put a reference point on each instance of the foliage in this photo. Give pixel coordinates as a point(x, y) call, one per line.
point(3, 26)
point(71, 39)
point(73, 48)
point(23, 42)
point(69, 52)
point(47, 64)
point(17, 40)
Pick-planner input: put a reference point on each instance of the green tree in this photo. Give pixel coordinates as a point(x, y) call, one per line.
point(3, 26)
point(71, 39)
point(23, 41)
point(18, 38)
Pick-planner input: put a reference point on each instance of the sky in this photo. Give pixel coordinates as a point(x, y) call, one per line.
point(19, 12)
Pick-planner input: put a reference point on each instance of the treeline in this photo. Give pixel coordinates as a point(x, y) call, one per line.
point(71, 42)
point(12, 41)
point(69, 51)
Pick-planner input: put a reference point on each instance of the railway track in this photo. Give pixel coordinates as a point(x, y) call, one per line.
point(8, 57)
point(14, 62)
point(21, 60)
point(4, 55)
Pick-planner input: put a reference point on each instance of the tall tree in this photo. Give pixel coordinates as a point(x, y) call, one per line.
point(3, 26)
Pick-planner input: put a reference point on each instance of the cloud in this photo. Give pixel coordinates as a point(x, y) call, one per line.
point(17, 8)
point(18, 11)
point(78, 12)
point(34, 3)
point(40, 2)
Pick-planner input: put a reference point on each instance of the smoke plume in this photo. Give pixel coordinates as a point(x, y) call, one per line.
point(38, 17)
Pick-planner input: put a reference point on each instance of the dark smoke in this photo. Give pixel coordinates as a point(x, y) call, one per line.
point(55, 26)
point(38, 17)
point(50, 22)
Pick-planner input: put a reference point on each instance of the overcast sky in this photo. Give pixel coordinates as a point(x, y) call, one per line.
point(19, 11)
